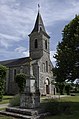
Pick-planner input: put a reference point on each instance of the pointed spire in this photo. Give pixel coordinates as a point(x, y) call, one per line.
point(39, 26)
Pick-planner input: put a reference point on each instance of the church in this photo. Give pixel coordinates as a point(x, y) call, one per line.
point(37, 65)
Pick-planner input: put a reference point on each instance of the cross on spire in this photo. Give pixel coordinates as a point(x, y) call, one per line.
point(38, 8)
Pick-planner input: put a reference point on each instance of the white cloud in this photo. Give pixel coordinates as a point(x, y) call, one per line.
point(17, 19)
point(17, 53)
point(51, 57)
point(22, 51)
point(26, 53)
point(14, 23)
point(8, 40)
point(59, 10)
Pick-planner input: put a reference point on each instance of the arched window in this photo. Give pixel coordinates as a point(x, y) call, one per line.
point(36, 43)
point(47, 82)
point(40, 28)
point(45, 44)
point(14, 73)
point(43, 67)
point(46, 66)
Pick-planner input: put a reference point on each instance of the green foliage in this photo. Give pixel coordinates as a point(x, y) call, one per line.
point(3, 70)
point(1, 88)
point(15, 101)
point(20, 79)
point(61, 87)
point(67, 88)
point(67, 56)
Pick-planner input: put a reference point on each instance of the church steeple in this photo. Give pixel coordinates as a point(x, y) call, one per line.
point(39, 26)
point(39, 39)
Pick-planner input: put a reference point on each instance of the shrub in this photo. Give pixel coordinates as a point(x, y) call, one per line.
point(61, 87)
point(3, 70)
point(15, 101)
point(20, 79)
point(67, 89)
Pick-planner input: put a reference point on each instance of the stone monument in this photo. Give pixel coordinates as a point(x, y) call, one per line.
point(30, 98)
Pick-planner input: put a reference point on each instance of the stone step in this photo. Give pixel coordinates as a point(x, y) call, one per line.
point(29, 112)
point(24, 116)
point(16, 115)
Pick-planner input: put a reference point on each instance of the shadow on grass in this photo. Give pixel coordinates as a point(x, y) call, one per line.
point(57, 107)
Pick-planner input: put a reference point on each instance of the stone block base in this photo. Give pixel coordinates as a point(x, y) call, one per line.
point(29, 100)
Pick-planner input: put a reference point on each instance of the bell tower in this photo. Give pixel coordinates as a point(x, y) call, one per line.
point(39, 39)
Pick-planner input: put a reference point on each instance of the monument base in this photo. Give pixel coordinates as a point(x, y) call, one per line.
point(30, 100)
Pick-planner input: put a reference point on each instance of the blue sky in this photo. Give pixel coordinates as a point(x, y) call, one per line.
point(17, 18)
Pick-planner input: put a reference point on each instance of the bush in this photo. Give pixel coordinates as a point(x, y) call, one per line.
point(20, 79)
point(61, 87)
point(1, 89)
point(15, 101)
point(67, 89)
point(3, 70)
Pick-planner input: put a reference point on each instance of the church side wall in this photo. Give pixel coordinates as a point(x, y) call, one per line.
point(12, 86)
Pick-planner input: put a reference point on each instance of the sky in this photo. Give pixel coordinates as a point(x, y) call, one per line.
point(17, 19)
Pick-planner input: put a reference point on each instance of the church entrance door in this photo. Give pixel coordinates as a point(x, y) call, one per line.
point(47, 89)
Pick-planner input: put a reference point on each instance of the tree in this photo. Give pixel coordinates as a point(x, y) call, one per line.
point(67, 55)
point(20, 79)
point(67, 88)
point(3, 70)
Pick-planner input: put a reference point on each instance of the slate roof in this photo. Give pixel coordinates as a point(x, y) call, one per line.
point(39, 26)
point(15, 62)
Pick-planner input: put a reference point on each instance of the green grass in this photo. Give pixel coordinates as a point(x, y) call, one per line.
point(6, 117)
point(6, 99)
point(73, 101)
point(70, 99)
point(2, 109)
point(73, 116)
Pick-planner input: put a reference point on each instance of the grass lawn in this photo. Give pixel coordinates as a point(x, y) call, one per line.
point(6, 117)
point(6, 99)
point(73, 101)
point(73, 116)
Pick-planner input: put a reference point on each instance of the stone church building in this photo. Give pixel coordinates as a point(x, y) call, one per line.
point(37, 65)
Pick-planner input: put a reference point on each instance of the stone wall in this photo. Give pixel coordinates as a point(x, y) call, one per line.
point(29, 100)
point(12, 87)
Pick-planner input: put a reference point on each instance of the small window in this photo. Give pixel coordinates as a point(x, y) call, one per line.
point(46, 66)
point(36, 43)
point(14, 73)
point(40, 28)
point(21, 69)
point(43, 67)
point(45, 44)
